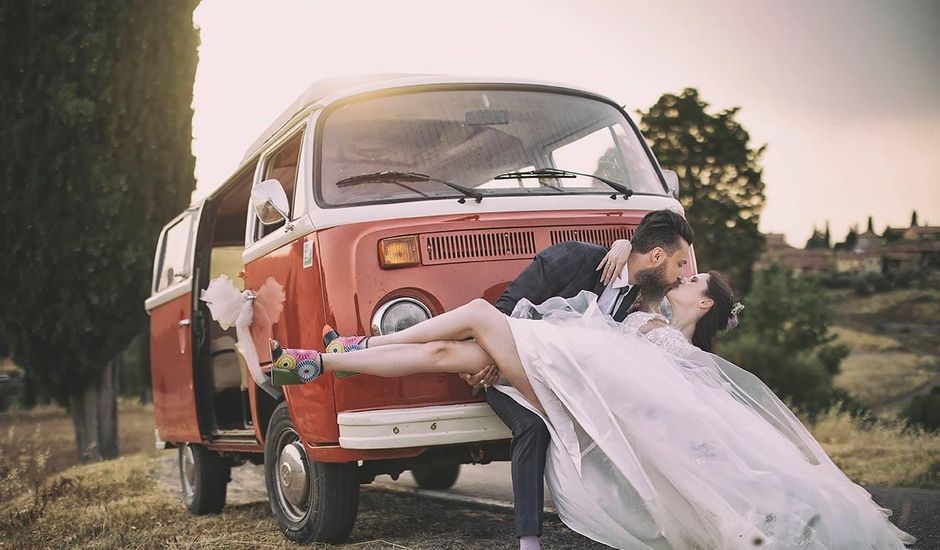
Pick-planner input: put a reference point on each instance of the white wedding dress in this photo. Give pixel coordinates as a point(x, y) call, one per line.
point(657, 444)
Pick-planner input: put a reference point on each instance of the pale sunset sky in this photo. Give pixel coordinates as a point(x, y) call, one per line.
point(845, 93)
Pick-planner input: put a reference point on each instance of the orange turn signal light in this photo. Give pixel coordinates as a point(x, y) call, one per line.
point(399, 252)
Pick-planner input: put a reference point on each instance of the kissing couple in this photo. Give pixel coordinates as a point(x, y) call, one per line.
point(645, 438)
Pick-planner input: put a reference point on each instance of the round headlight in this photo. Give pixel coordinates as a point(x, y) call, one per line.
point(399, 314)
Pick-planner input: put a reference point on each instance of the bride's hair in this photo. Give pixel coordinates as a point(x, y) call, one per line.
point(716, 318)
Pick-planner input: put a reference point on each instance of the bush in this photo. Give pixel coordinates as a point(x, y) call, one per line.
point(878, 282)
point(837, 280)
point(785, 338)
point(861, 287)
point(797, 378)
point(904, 278)
point(924, 411)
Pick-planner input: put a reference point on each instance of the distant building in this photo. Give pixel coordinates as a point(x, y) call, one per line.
point(857, 262)
point(869, 240)
point(916, 247)
point(805, 261)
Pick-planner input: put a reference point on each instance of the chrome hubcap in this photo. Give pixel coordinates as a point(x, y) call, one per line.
point(293, 484)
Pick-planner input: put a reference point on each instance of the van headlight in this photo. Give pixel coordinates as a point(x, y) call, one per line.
point(399, 314)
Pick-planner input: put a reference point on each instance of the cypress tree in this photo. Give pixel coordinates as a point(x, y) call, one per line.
point(96, 105)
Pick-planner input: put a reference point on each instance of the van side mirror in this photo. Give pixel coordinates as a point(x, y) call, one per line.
point(672, 182)
point(270, 202)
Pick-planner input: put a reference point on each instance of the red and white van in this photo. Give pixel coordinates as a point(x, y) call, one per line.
point(404, 196)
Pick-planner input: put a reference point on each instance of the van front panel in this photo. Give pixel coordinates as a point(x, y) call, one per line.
point(472, 267)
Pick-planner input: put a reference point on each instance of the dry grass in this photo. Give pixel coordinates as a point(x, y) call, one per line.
point(49, 429)
point(133, 502)
point(121, 504)
point(919, 305)
point(38, 443)
point(878, 378)
point(884, 454)
point(858, 340)
point(893, 349)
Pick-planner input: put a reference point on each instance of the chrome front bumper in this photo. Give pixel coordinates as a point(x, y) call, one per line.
point(420, 427)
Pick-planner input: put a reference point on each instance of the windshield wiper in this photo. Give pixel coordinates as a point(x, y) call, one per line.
point(394, 177)
point(558, 173)
point(531, 174)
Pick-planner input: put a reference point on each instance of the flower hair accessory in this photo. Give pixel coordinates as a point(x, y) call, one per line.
point(737, 308)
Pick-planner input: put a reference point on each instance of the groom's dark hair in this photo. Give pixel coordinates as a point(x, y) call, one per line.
point(663, 229)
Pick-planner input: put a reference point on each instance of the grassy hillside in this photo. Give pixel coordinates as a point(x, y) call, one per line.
point(894, 342)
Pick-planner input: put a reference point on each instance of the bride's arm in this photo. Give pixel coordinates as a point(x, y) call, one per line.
point(616, 258)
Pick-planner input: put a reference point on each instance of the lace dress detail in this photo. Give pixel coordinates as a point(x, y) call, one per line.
point(666, 337)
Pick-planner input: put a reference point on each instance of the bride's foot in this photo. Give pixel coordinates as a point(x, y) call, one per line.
point(342, 344)
point(294, 366)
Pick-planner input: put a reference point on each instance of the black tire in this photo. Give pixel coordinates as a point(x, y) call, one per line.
point(205, 486)
point(326, 509)
point(436, 477)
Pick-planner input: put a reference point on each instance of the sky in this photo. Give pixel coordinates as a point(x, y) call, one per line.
point(845, 93)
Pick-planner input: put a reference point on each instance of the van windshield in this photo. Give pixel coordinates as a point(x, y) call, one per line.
point(474, 138)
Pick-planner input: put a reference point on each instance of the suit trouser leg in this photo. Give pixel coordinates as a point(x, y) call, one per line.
point(529, 447)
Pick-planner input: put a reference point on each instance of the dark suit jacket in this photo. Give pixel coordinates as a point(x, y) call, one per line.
point(564, 269)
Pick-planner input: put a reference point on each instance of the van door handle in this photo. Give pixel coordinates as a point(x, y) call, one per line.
point(184, 323)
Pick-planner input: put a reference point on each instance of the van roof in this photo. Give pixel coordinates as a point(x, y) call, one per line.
point(326, 91)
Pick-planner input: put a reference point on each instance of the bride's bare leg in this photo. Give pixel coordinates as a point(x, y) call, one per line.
point(442, 356)
point(478, 320)
point(457, 324)
point(404, 359)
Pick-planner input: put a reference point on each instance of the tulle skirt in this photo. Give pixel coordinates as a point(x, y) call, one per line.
point(655, 450)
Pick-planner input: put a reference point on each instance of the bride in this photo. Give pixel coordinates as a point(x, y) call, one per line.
point(656, 443)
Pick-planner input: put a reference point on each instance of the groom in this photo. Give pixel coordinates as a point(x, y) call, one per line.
point(660, 248)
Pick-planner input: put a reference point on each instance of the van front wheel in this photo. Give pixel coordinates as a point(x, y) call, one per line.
point(311, 501)
point(204, 476)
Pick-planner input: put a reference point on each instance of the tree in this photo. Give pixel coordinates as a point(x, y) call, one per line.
point(720, 174)
point(95, 102)
point(851, 239)
point(785, 339)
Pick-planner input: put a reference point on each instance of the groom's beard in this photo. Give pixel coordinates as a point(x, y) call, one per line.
point(653, 286)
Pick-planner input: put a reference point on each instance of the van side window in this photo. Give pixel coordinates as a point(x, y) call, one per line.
point(282, 165)
point(174, 256)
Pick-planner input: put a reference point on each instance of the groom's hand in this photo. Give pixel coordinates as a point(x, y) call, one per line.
point(613, 262)
point(487, 376)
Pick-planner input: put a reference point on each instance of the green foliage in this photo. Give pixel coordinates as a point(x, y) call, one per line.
point(95, 102)
point(785, 339)
point(924, 410)
point(720, 176)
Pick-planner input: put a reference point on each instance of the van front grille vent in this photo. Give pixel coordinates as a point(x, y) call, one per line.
point(507, 244)
point(603, 236)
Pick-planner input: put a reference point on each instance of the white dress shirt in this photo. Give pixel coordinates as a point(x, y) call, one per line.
point(610, 299)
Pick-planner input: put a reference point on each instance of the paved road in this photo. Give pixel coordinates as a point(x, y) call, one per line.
point(917, 511)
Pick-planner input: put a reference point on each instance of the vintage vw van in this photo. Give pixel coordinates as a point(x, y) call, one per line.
point(386, 200)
